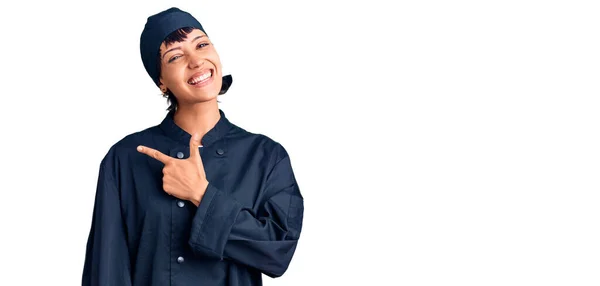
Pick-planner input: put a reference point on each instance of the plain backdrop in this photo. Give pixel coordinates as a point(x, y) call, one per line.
point(435, 142)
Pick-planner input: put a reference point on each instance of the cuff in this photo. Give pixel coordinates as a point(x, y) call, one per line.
point(213, 222)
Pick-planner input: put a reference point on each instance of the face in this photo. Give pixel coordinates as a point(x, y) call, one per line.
point(191, 70)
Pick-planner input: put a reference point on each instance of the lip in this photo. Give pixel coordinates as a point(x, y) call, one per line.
point(205, 83)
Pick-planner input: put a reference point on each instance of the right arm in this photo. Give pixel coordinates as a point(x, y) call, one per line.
point(107, 256)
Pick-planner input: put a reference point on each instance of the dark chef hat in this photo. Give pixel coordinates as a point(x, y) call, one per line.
point(157, 28)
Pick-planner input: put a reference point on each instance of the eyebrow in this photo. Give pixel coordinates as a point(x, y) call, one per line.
point(179, 48)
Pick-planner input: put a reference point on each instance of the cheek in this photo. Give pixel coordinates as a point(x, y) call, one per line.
point(216, 61)
point(218, 81)
point(172, 75)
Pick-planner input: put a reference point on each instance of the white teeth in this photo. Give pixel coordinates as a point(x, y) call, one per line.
point(200, 78)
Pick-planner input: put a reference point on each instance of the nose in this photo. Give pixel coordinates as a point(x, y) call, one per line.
point(195, 61)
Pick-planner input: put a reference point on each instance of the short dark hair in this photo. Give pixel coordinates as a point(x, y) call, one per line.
point(177, 36)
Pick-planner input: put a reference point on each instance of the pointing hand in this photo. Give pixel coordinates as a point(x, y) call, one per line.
point(182, 178)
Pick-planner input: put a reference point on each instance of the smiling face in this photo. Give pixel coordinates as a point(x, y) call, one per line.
point(191, 69)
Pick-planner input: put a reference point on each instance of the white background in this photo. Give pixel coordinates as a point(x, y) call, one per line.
point(435, 142)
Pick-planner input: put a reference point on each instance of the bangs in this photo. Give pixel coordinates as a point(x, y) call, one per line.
point(178, 36)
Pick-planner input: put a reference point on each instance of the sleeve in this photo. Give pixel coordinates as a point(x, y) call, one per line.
point(107, 256)
point(265, 240)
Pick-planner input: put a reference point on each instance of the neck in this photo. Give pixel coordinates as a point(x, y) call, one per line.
point(197, 118)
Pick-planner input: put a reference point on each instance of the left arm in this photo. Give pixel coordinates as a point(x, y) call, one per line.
point(223, 228)
point(265, 240)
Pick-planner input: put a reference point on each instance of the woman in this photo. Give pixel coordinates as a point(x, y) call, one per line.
point(194, 200)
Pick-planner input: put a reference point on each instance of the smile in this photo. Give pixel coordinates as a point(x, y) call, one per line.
point(201, 78)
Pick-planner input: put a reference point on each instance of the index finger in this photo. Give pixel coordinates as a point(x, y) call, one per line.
point(154, 154)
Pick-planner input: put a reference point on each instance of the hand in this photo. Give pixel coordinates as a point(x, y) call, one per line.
point(182, 178)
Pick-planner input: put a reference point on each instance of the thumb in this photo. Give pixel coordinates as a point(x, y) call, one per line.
point(194, 145)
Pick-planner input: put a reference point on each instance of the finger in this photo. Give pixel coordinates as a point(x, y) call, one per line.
point(154, 154)
point(194, 148)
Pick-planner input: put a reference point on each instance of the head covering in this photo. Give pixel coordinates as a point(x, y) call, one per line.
point(157, 28)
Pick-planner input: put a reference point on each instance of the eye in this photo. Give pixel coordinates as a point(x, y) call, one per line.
point(173, 58)
point(202, 45)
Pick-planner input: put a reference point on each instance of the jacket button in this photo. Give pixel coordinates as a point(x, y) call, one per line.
point(180, 204)
point(180, 260)
point(179, 155)
point(220, 151)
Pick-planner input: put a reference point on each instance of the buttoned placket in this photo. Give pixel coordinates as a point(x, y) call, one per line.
point(181, 216)
point(213, 148)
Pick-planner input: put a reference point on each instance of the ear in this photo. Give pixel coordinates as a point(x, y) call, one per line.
point(162, 86)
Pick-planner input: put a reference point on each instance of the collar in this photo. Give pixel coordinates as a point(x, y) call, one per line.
point(179, 135)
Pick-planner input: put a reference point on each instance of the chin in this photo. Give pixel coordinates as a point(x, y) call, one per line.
point(205, 94)
point(198, 98)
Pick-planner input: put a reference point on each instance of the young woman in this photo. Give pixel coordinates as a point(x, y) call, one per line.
point(194, 200)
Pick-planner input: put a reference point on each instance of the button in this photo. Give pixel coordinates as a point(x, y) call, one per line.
point(179, 155)
point(220, 151)
point(180, 259)
point(180, 204)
